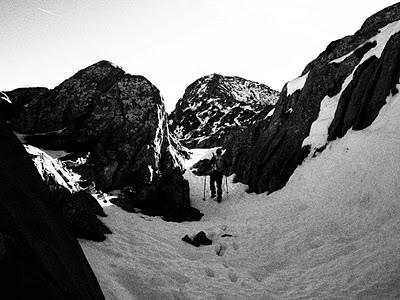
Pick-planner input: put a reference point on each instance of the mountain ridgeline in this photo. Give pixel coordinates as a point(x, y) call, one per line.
point(343, 88)
point(216, 108)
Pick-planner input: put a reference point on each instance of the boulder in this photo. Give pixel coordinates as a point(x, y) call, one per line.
point(184, 215)
point(202, 239)
point(80, 211)
point(198, 240)
point(39, 258)
point(266, 155)
point(202, 167)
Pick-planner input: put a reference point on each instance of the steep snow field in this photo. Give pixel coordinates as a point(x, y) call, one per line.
point(333, 232)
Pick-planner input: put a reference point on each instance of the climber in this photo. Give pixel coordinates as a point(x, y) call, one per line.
point(216, 174)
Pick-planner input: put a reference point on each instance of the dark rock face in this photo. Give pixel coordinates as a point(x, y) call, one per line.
point(120, 120)
point(216, 108)
point(22, 97)
point(361, 101)
point(39, 258)
point(79, 208)
point(344, 45)
point(266, 155)
point(80, 211)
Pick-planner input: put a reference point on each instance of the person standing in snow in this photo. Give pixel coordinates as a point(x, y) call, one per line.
point(216, 175)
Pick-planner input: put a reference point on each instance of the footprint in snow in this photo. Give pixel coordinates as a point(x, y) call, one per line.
point(210, 273)
point(220, 249)
point(232, 276)
point(235, 246)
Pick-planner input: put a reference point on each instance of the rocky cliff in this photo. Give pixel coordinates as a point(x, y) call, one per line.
point(216, 108)
point(39, 258)
point(343, 88)
point(115, 125)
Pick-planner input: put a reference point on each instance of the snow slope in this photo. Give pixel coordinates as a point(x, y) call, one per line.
point(332, 233)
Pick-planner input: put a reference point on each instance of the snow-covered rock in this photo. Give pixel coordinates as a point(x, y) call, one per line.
point(52, 171)
point(343, 88)
point(79, 207)
point(215, 108)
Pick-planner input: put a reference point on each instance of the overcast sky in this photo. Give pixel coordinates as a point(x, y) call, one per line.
point(171, 42)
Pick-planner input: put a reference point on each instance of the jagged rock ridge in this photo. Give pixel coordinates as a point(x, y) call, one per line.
point(343, 88)
point(214, 108)
point(117, 123)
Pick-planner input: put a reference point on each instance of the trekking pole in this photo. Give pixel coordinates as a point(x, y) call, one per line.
point(226, 183)
point(204, 190)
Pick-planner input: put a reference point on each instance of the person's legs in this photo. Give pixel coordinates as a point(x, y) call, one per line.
point(218, 180)
point(212, 185)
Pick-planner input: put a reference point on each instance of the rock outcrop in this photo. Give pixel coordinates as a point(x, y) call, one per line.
point(52, 171)
point(343, 88)
point(116, 126)
point(79, 208)
point(39, 258)
point(216, 108)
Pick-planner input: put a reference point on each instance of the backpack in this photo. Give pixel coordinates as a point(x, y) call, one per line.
point(219, 164)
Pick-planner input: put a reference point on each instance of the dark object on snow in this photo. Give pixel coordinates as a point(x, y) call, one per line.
point(188, 214)
point(226, 235)
point(124, 203)
point(199, 239)
point(39, 258)
point(88, 203)
point(188, 240)
point(202, 239)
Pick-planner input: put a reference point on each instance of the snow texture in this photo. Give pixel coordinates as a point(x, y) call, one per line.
point(333, 232)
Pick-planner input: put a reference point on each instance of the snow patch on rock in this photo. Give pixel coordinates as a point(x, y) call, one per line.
point(4, 97)
point(296, 84)
point(52, 170)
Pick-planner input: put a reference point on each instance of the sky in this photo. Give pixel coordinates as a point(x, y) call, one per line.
point(171, 42)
